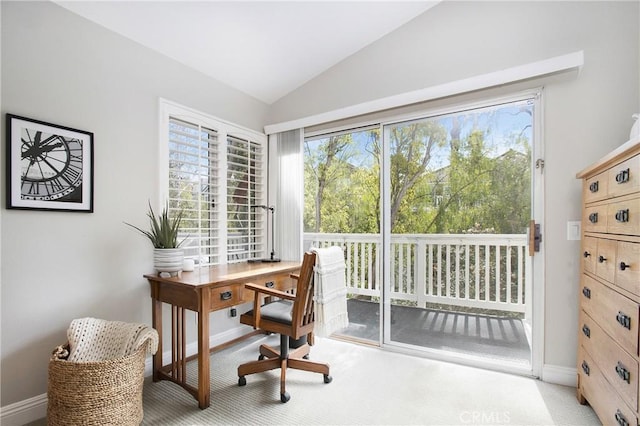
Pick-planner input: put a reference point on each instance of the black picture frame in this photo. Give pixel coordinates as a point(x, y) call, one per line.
point(49, 167)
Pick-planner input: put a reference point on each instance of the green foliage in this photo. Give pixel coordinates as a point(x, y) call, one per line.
point(163, 230)
point(443, 179)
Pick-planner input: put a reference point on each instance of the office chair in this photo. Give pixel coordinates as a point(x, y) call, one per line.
point(292, 316)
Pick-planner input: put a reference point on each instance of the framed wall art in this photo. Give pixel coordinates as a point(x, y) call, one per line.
point(49, 167)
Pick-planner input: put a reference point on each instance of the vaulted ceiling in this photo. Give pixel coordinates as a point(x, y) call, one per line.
point(263, 48)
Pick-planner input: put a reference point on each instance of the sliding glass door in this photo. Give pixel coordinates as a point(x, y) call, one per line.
point(433, 214)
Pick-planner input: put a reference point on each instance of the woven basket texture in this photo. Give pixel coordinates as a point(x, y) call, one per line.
point(96, 393)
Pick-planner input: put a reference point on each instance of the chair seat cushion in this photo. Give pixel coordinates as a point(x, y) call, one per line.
point(278, 311)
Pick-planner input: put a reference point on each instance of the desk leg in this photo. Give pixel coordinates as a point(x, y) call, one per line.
point(156, 322)
point(204, 384)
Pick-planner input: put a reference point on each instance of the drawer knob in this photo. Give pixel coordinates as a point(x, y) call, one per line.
point(623, 176)
point(226, 295)
point(622, 215)
point(585, 367)
point(587, 292)
point(624, 320)
point(602, 259)
point(269, 284)
point(586, 331)
point(624, 266)
point(621, 419)
point(593, 187)
point(593, 218)
point(623, 373)
point(586, 254)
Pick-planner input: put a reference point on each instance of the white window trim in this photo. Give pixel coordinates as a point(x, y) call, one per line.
point(571, 62)
point(169, 109)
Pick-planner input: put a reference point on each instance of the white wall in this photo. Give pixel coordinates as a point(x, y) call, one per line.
point(583, 118)
point(60, 68)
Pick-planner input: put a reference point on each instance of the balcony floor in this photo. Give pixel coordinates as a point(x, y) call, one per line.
point(480, 335)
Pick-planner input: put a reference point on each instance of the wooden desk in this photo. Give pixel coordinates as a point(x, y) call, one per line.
point(205, 290)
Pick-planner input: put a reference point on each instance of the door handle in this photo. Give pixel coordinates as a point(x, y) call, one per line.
point(535, 237)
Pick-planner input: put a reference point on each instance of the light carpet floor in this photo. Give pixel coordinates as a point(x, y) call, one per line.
point(370, 387)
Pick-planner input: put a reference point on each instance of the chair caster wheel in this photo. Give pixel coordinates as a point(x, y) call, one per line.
point(260, 357)
point(327, 378)
point(242, 381)
point(284, 397)
point(306, 356)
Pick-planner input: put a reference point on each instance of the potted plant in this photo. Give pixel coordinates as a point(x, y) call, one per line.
point(163, 234)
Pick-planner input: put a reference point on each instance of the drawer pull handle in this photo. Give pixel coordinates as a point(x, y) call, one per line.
point(622, 421)
point(602, 259)
point(593, 187)
point(623, 176)
point(586, 331)
point(585, 367)
point(624, 266)
point(623, 372)
point(622, 215)
point(593, 218)
point(226, 295)
point(586, 254)
point(624, 320)
point(587, 292)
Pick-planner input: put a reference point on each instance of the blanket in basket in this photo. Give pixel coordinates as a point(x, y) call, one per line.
point(330, 291)
point(92, 339)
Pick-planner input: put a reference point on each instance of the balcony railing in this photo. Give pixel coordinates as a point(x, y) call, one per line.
point(484, 271)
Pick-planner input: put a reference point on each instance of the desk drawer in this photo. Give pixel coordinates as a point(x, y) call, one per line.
point(604, 400)
point(226, 296)
point(618, 367)
point(617, 315)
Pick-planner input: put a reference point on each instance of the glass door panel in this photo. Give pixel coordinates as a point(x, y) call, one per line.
point(342, 207)
point(460, 191)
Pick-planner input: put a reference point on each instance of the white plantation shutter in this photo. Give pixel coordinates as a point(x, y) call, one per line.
point(216, 174)
point(245, 187)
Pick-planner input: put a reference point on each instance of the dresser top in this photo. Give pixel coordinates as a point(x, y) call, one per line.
point(626, 150)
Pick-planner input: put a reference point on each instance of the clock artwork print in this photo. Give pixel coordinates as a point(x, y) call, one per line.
point(51, 167)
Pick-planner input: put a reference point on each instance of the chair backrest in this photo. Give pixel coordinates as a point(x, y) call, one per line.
point(302, 314)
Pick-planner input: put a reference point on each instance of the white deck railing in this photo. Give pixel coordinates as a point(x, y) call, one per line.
point(486, 271)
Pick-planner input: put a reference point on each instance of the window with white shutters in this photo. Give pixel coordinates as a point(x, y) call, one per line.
point(216, 175)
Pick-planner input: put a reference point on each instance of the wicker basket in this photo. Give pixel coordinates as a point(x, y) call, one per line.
point(96, 393)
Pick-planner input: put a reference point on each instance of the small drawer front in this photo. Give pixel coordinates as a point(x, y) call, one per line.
point(628, 267)
point(589, 254)
point(226, 296)
point(281, 282)
point(607, 404)
point(606, 259)
point(617, 315)
point(624, 178)
point(595, 218)
point(595, 188)
point(623, 217)
point(618, 367)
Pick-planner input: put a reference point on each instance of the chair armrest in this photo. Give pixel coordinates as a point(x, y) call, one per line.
point(269, 291)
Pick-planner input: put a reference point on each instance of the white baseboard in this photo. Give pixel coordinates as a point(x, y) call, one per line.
point(559, 375)
point(35, 408)
point(26, 411)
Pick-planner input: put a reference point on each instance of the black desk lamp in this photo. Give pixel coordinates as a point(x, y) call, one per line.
point(273, 250)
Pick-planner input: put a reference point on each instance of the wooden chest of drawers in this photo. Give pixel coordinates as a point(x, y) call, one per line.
point(609, 306)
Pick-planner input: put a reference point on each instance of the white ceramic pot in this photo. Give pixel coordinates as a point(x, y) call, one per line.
point(168, 260)
point(635, 129)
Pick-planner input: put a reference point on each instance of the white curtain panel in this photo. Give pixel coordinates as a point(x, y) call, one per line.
point(286, 192)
